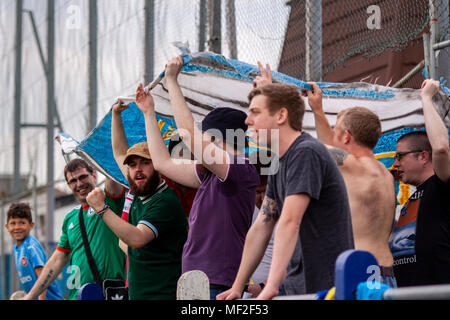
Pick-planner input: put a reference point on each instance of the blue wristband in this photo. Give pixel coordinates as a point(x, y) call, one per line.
point(102, 212)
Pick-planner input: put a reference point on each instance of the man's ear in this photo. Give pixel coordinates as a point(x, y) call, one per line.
point(425, 156)
point(282, 116)
point(347, 137)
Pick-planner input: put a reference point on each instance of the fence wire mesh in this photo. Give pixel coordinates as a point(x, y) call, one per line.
point(272, 31)
point(349, 28)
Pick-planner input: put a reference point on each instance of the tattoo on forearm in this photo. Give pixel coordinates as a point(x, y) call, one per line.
point(46, 281)
point(339, 155)
point(269, 210)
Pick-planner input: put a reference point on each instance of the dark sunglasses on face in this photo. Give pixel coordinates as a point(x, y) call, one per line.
point(399, 155)
point(83, 178)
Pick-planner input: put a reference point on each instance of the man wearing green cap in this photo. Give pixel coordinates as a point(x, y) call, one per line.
point(157, 228)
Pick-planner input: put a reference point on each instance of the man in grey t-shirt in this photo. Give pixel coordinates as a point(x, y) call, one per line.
point(306, 196)
point(308, 168)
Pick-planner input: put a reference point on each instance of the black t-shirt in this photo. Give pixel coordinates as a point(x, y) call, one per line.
point(433, 234)
point(420, 242)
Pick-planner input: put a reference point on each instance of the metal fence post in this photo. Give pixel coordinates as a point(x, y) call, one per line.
point(444, 38)
point(149, 9)
point(313, 45)
point(433, 38)
point(17, 96)
point(426, 51)
point(202, 26)
point(44, 64)
point(50, 121)
point(230, 15)
point(215, 27)
point(92, 67)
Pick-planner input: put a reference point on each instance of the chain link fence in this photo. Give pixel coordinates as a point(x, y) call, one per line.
point(349, 28)
point(272, 31)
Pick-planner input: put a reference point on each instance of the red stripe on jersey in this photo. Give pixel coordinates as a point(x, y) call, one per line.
point(63, 249)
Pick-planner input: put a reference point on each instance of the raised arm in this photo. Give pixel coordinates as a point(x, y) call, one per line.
point(51, 270)
point(187, 129)
point(118, 138)
point(436, 131)
point(323, 128)
point(178, 170)
point(256, 241)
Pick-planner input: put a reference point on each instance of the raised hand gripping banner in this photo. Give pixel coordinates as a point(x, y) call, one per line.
point(210, 81)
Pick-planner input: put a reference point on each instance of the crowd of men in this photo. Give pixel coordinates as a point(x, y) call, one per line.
point(323, 196)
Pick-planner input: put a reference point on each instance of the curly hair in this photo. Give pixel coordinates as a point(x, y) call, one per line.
point(19, 210)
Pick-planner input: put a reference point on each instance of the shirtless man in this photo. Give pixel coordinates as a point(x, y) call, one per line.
point(370, 186)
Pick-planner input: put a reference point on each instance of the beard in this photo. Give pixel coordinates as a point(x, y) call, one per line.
point(148, 188)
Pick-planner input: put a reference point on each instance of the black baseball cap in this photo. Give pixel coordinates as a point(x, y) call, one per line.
point(225, 118)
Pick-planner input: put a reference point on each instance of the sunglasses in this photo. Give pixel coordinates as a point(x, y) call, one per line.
point(399, 155)
point(83, 178)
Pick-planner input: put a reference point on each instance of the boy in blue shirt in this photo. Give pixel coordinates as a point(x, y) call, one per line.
point(29, 255)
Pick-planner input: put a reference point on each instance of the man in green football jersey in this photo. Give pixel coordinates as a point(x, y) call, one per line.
point(104, 244)
point(157, 227)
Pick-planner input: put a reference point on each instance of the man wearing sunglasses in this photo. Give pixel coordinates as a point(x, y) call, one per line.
point(420, 242)
point(104, 244)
